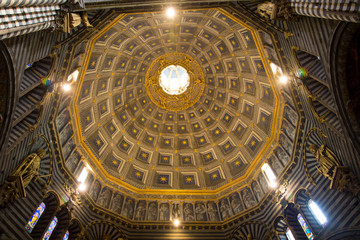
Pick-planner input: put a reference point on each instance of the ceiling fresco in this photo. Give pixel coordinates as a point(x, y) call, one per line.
point(197, 158)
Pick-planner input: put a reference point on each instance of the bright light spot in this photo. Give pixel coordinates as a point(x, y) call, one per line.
point(278, 73)
point(317, 212)
point(284, 79)
point(275, 69)
point(82, 178)
point(289, 234)
point(73, 76)
point(82, 187)
point(269, 175)
point(66, 87)
point(170, 12)
point(174, 80)
point(176, 222)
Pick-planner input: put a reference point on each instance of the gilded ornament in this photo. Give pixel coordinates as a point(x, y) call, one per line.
point(175, 102)
point(20, 178)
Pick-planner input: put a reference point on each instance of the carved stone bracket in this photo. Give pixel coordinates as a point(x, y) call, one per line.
point(67, 19)
point(277, 10)
point(11, 190)
point(19, 179)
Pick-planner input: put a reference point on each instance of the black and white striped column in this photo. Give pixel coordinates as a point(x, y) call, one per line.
point(22, 20)
point(343, 10)
point(18, 3)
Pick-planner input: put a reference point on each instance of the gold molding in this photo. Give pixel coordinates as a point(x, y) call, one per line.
point(175, 102)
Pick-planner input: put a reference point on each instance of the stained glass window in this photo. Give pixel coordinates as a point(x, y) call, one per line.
point(316, 211)
point(66, 236)
point(50, 228)
point(305, 227)
point(289, 234)
point(35, 217)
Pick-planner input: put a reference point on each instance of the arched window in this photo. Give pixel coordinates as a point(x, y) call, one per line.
point(282, 229)
point(294, 223)
point(270, 175)
point(35, 217)
point(82, 179)
point(50, 229)
point(316, 211)
point(52, 203)
point(305, 227)
point(289, 235)
point(307, 219)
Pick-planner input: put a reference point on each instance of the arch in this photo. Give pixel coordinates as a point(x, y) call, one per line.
point(302, 198)
point(254, 229)
point(75, 229)
point(316, 85)
point(52, 203)
point(344, 79)
point(7, 86)
point(290, 214)
point(319, 91)
point(33, 87)
point(280, 227)
point(97, 229)
point(324, 114)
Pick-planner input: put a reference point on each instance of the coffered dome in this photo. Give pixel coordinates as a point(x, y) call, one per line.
point(213, 136)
